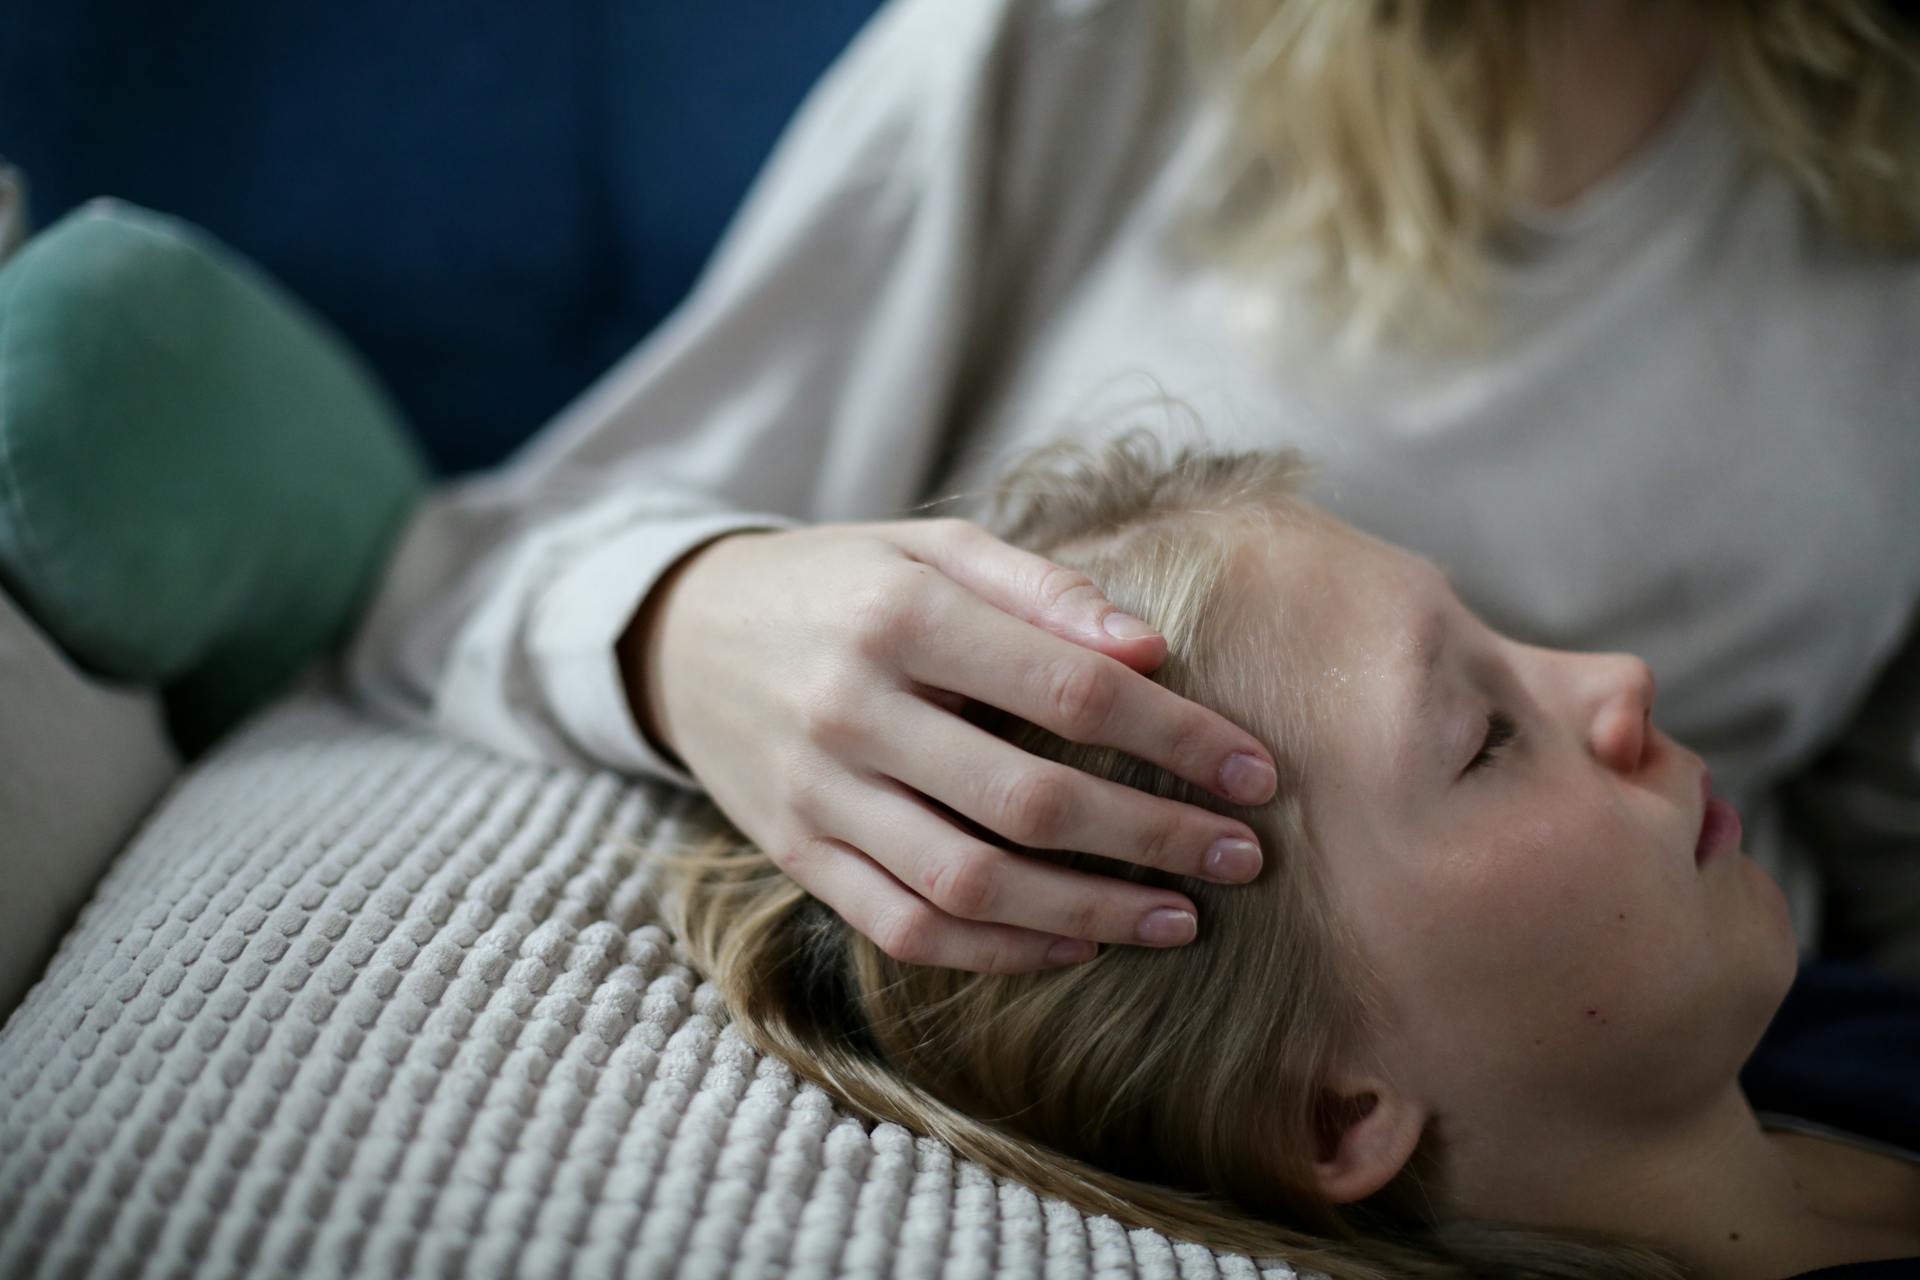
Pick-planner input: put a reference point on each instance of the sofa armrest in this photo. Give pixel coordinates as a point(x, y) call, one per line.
point(85, 760)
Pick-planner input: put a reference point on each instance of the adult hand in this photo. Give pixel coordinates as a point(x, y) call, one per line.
point(809, 679)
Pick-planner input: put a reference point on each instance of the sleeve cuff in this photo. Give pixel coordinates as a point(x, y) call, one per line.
point(581, 618)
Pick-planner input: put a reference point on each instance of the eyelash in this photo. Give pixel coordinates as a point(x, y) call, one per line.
point(1501, 731)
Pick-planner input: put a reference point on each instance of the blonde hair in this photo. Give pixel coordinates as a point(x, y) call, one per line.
point(1175, 1089)
point(1390, 138)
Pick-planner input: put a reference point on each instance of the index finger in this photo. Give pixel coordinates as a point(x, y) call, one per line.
point(975, 649)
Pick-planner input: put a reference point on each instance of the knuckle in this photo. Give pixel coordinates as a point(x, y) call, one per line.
point(1033, 806)
point(794, 856)
point(830, 723)
point(788, 764)
point(906, 935)
point(993, 960)
point(883, 611)
point(963, 884)
point(1162, 846)
point(1059, 582)
point(1080, 695)
point(1000, 956)
point(796, 792)
point(1085, 920)
point(1190, 745)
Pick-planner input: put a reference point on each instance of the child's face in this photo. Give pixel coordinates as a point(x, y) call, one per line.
point(1544, 932)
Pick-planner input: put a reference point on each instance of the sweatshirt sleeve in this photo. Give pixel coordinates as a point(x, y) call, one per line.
point(1857, 809)
point(807, 378)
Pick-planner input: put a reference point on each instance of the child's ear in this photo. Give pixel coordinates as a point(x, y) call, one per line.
point(1365, 1132)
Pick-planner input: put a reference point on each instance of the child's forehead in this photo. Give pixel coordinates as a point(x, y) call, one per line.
point(1312, 557)
point(1341, 616)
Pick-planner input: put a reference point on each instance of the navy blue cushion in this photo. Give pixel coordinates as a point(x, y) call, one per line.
point(492, 200)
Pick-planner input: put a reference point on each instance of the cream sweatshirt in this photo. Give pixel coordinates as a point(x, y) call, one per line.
point(1698, 439)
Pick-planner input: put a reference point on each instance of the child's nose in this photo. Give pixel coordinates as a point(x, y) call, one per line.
point(1623, 713)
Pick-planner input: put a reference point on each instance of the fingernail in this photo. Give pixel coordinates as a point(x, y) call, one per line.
point(1246, 778)
point(1232, 859)
point(1166, 926)
point(1124, 626)
point(1070, 951)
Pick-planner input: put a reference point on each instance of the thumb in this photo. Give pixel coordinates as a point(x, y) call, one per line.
point(1031, 587)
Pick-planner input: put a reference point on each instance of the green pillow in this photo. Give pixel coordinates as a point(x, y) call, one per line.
point(199, 481)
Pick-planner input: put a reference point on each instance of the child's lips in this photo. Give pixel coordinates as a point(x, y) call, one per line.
point(1719, 824)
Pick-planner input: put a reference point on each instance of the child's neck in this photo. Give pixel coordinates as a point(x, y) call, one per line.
point(1738, 1202)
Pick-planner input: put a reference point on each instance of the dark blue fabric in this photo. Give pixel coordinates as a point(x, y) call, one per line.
point(1889, 1269)
point(1844, 1050)
point(492, 200)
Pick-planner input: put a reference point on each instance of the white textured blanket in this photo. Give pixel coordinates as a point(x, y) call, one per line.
point(360, 1002)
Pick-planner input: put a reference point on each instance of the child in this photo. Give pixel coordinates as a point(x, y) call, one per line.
point(1485, 1008)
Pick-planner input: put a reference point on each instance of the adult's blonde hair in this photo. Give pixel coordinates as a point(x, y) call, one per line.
point(1391, 138)
point(1177, 1089)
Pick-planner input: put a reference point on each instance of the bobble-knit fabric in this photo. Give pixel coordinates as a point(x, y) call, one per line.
point(359, 1001)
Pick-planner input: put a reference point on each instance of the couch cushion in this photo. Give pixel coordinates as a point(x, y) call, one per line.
point(198, 481)
point(361, 1002)
point(84, 761)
